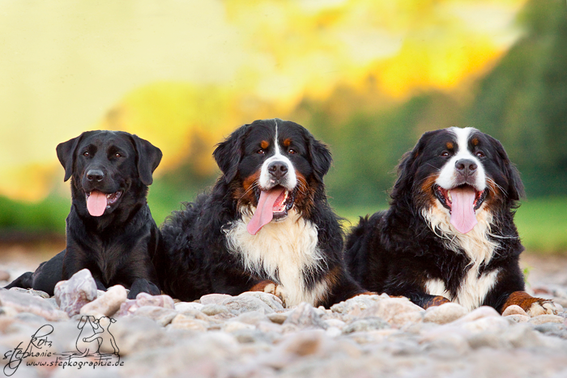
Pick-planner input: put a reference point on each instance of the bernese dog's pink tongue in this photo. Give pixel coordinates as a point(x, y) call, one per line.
point(462, 209)
point(96, 203)
point(264, 212)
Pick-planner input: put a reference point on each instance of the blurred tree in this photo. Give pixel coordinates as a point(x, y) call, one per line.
point(523, 100)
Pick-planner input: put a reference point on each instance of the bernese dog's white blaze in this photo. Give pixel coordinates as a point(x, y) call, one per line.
point(461, 185)
point(284, 251)
point(277, 182)
point(267, 180)
point(448, 177)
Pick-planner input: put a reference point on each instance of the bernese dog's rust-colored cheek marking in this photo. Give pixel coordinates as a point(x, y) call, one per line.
point(264, 144)
point(522, 299)
point(287, 142)
point(305, 195)
point(449, 145)
point(244, 194)
point(495, 197)
point(260, 286)
point(426, 196)
point(436, 301)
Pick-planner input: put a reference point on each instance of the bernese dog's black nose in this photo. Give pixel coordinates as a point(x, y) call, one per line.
point(95, 175)
point(277, 169)
point(465, 167)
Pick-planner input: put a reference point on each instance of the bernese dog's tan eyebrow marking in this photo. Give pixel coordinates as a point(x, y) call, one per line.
point(474, 141)
point(287, 142)
point(264, 144)
point(450, 145)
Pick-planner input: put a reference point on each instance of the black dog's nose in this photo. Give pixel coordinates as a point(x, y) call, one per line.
point(465, 167)
point(95, 175)
point(277, 169)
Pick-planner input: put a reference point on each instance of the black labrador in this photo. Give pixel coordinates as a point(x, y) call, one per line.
point(110, 229)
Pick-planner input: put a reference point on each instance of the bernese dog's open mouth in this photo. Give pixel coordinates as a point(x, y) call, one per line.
point(98, 202)
point(446, 197)
point(462, 202)
point(273, 204)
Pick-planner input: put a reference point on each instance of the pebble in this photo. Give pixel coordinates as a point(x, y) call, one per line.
point(254, 335)
point(71, 295)
point(23, 302)
point(108, 304)
point(446, 313)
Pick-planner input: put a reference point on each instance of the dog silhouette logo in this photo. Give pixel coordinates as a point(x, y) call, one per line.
point(95, 337)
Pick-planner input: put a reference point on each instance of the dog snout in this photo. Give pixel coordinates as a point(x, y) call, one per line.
point(278, 169)
point(466, 167)
point(95, 175)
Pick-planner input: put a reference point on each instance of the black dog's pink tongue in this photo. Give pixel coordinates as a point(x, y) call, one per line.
point(96, 203)
point(264, 212)
point(462, 209)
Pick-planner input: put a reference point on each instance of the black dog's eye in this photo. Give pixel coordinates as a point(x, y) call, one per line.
point(118, 155)
point(86, 154)
point(480, 154)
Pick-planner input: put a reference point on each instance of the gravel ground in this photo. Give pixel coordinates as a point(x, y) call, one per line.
point(82, 331)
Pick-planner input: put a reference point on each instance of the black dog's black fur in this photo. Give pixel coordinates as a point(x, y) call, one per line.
point(198, 260)
point(396, 251)
point(118, 246)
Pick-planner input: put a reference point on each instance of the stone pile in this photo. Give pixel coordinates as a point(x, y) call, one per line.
point(253, 335)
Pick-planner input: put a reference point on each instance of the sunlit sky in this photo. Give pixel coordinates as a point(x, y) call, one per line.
point(168, 70)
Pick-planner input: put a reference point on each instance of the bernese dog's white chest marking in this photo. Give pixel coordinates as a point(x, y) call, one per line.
point(283, 251)
point(476, 245)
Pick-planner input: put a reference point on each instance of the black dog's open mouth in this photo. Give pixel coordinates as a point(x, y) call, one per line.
point(445, 197)
point(98, 202)
point(273, 204)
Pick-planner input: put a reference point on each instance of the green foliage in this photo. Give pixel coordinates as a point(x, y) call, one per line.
point(46, 216)
point(522, 101)
point(542, 224)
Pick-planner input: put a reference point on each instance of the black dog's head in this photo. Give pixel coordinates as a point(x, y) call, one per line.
point(458, 173)
point(271, 167)
point(106, 167)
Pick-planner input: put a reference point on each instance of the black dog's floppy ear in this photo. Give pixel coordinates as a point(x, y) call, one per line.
point(406, 168)
point(228, 153)
point(515, 188)
point(320, 158)
point(66, 154)
point(148, 158)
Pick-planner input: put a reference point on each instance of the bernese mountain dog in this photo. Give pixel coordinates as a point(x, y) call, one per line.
point(266, 224)
point(449, 234)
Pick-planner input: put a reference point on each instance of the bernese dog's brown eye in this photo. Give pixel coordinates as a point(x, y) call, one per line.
point(479, 154)
point(261, 151)
point(445, 153)
point(291, 151)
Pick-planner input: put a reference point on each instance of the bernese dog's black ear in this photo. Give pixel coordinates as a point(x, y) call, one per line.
point(228, 153)
point(515, 190)
point(320, 157)
point(148, 158)
point(407, 167)
point(66, 154)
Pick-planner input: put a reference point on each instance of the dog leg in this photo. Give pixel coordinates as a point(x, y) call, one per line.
point(532, 305)
point(260, 286)
point(141, 285)
point(24, 281)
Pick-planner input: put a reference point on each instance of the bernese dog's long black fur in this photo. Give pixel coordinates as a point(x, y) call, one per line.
point(449, 233)
point(266, 224)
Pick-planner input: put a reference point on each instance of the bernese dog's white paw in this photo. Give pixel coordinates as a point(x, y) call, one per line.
point(275, 289)
point(544, 307)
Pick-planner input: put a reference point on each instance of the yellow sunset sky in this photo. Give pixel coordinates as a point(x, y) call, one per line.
point(169, 70)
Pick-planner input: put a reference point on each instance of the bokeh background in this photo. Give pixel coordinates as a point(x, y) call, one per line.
point(367, 77)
